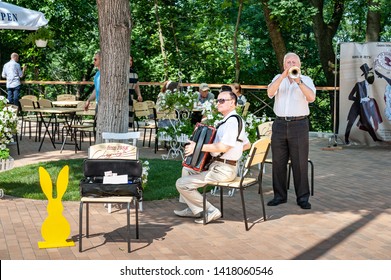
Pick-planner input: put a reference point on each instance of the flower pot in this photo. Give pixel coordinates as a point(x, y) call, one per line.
point(41, 43)
point(6, 164)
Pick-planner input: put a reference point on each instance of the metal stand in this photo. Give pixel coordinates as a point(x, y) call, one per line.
point(333, 140)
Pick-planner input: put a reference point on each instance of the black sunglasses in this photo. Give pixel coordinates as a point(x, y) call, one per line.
point(222, 100)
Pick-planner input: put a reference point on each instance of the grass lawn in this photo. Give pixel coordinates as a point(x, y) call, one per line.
point(24, 181)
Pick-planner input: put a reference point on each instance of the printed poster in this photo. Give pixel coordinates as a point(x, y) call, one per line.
point(365, 93)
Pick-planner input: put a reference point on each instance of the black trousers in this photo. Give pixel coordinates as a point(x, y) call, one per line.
point(290, 141)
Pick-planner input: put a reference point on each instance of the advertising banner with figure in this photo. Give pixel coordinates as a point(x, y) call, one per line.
point(365, 93)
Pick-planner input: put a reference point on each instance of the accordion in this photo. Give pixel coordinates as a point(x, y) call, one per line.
point(202, 134)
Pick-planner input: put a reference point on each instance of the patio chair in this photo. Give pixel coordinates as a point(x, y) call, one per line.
point(31, 97)
point(245, 109)
point(257, 155)
point(27, 117)
point(46, 103)
point(80, 126)
point(93, 190)
point(141, 112)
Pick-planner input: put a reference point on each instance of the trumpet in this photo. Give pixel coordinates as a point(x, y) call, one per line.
point(294, 72)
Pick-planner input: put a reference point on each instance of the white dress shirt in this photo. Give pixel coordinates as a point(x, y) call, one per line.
point(290, 100)
point(227, 134)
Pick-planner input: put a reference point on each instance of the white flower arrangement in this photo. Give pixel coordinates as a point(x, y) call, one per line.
point(177, 100)
point(144, 177)
point(8, 126)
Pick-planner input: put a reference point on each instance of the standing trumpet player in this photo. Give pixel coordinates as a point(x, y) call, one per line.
point(292, 93)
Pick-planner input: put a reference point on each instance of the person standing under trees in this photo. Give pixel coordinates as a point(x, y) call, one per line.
point(12, 72)
point(290, 131)
point(95, 94)
point(134, 88)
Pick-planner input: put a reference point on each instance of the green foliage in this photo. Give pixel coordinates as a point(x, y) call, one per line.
point(198, 41)
point(24, 181)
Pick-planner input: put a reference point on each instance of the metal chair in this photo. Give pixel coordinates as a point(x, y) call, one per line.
point(257, 155)
point(97, 168)
point(131, 138)
point(143, 111)
point(27, 117)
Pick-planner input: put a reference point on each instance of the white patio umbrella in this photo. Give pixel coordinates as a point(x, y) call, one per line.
point(15, 17)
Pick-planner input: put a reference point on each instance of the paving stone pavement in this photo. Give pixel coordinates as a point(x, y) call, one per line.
point(350, 217)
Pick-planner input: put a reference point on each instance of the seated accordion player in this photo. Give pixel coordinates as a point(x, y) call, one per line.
point(204, 134)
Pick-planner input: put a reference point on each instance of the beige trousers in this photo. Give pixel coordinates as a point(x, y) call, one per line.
point(191, 180)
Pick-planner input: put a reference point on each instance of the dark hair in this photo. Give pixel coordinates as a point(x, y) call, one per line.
point(225, 88)
point(168, 85)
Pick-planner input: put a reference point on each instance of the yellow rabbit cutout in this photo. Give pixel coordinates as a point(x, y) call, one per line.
point(55, 229)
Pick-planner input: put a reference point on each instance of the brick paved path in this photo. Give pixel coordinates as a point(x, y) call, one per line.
point(350, 218)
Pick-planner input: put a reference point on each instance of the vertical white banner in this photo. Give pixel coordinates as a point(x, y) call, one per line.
point(365, 93)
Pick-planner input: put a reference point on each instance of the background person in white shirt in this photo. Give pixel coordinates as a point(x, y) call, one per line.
point(290, 131)
point(12, 72)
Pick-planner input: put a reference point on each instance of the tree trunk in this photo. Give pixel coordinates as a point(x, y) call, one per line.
point(324, 34)
point(373, 21)
point(114, 29)
point(161, 38)
point(235, 41)
point(278, 42)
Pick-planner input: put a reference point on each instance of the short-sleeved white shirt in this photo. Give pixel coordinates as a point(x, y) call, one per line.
point(290, 100)
point(227, 134)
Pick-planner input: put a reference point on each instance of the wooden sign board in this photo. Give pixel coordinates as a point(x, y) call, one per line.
point(112, 150)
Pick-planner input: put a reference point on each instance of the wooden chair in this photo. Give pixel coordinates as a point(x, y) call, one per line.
point(257, 155)
point(142, 111)
point(63, 97)
point(27, 117)
point(31, 97)
point(245, 109)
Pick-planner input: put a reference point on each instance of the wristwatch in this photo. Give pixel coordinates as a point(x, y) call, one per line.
point(299, 83)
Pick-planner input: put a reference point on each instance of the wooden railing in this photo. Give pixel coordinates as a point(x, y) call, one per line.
point(249, 87)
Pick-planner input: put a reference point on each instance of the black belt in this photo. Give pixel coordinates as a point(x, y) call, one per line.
point(289, 119)
point(227, 161)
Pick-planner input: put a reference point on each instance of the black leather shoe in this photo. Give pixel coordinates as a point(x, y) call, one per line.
point(275, 202)
point(304, 205)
